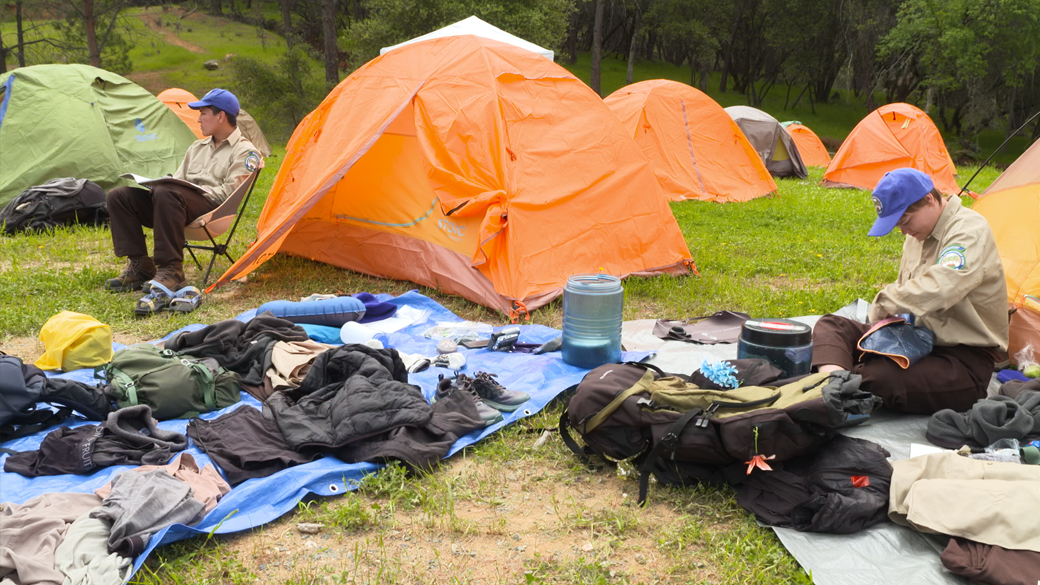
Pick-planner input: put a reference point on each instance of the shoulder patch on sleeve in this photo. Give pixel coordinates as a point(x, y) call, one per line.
point(252, 161)
point(952, 257)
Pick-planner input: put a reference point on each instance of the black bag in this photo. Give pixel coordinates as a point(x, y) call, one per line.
point(57, 202)
point(684, 434)
point(22, 386)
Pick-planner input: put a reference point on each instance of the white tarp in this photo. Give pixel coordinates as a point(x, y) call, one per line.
point(477, 27)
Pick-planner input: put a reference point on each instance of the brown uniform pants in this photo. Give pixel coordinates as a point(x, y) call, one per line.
point(949, 377)
point(166, 209)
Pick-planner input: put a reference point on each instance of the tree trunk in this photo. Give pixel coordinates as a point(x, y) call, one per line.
point(704, 76)
point(634, 45)
point(328, 32)
point(3, 56)
point(287, 28)
point(572, 39)
point(91, 27)
point(21, 33)
point(215, 8)
point(597, 46)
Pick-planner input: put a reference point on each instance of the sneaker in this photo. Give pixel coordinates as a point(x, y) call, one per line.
point(171, 276)
point(463, 383)
point(138, 271)
point(495, 395)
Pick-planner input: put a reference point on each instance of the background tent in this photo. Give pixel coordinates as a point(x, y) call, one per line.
point(476, 26)
point(177, 99)
point(1011, 205)
point(79, 121)
point(770, 140)
point(695, 149)
point(810, 147)
point(891, 137)
point(471, 166)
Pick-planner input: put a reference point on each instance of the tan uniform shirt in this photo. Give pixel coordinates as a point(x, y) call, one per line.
point(219, 168)
point(953, 282)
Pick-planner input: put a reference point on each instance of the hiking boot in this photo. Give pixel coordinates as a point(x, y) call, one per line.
point(463, 383)
point(139, 270)
point(495, 395)
point(171, 276)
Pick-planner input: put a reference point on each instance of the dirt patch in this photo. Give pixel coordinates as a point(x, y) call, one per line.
point(153, 81)
point(153, 21)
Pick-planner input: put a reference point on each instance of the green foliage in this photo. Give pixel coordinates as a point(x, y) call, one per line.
point(284, 93)
point(543, 22)
point(114, 37)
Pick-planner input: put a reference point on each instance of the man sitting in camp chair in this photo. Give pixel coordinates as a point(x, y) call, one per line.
point(216, 164)
point(951, 281)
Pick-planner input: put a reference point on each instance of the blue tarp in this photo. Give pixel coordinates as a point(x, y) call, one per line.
point(259, 501)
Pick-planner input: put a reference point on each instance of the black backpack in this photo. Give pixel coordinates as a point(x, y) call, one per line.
point(684, 434)
point(52, 204)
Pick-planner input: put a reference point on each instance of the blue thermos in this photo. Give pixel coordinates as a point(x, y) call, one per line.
point(592, 305)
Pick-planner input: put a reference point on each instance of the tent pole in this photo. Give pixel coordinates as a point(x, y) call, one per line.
point(983, 165)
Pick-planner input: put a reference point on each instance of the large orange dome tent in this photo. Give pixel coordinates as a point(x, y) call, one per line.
point(696, 150)
point(810, 147)
point(471, 166)
point(891, 137)
point(177, 99)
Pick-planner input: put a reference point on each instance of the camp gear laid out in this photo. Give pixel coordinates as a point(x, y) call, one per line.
point(206, 484)
point(451, 361)
point(592, 305)
point(840, 489)
point(447, 346)
point(97, 126)
point(747, 372)
point(186, 300)
point(57, 202)
point(22, 386)
point(129, 436)
point(891, 137)
point(173, 385)
point(461, 384)
point(989, 420)
point(985, 501)
point(354, 332)
point(985, 564)
point(695, 149)
point(503, 222)
point(40, 523)
point(721, 327)
point(896, 339)
point(785, 343)
point(138, 271)
point(73, 341)
point(772, 142)
point(810, 147)
point(160, 297)
point(351, 393)
point(684, 434)
point(83, 557)
point(493, 394)
point(332, 312)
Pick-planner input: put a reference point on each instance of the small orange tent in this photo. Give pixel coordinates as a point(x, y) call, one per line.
point(814, 153)
point(891, 137)
point(696, 150)
point(471, 166)
point(177, 100)
point(1011, 205)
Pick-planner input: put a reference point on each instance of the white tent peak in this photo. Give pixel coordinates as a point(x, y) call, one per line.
point(477, 27)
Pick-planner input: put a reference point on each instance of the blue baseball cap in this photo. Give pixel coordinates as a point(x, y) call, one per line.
point(221, 99)
point(896, 191)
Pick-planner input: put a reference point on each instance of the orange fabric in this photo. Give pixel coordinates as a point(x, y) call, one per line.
point(813, 152)
point(467, 165)
point(177, 100)
point(695, 149)
point(891, 137)
point(1011, 205)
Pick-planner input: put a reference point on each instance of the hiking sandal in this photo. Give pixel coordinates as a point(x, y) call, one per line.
point(186, 300)
point(155, 301)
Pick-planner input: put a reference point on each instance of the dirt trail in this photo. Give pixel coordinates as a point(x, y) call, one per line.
point(150, 21)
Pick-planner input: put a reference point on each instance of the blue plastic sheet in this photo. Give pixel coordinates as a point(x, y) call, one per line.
point(259, 501)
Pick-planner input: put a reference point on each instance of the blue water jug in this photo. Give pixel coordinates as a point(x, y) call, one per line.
point(592, 306)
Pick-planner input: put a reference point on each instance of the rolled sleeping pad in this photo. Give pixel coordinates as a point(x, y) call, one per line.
point(329, 312)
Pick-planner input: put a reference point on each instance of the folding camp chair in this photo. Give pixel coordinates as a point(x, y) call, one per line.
point(215, 223)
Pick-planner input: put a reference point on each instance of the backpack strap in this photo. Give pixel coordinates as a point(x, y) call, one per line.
point(666, 444)
point(643, 385)
point(33, 423)
point(209, 391)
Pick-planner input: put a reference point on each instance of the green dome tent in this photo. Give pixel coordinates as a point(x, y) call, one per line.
point(83, 122)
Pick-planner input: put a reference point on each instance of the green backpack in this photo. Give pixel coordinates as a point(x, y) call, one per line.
point(174, 385)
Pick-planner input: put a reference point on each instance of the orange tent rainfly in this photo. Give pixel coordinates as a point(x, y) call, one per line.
point(177, 100)
point(471, 166)
point(810, 147)
point(892, 137)
point(696, 150)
